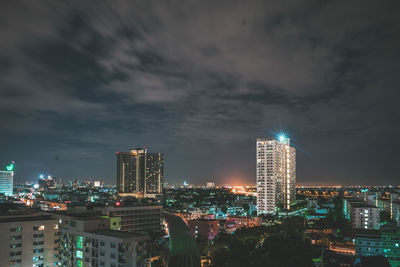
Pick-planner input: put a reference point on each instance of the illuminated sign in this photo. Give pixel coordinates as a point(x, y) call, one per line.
point(10, 167)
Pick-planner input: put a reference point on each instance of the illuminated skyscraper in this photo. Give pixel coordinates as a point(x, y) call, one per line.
point(140, 173)
point(276, 174)
point(6, 180)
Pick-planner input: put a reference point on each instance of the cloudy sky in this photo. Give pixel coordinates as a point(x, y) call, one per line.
point(199, 81)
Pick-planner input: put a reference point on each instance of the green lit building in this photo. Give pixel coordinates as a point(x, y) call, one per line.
point(89, 241)
point(6, 180)
point(384, 242)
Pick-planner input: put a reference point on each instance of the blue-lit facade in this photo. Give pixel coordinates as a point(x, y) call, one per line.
point(6, 182)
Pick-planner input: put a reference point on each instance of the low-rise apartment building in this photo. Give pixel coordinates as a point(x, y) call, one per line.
point(88, 241)
point(28, 240)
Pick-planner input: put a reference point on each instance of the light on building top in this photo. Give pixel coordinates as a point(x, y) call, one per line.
point(282, 137)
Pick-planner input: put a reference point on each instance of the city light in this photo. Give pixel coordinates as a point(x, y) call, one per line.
point(281, 137)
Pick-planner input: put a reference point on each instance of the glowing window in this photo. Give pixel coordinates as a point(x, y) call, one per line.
point(79, 254)
point(79, 242)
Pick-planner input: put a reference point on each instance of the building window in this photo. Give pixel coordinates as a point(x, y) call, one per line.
point(17, 229)
point(15, 253)
point(37, 243)
point(79, 241)
point(15, 237)
point(18, 245)
point(38, 228)
point(35, 251)
point(79, 254)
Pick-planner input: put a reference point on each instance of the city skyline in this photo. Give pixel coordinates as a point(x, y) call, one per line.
point(202, 180)
point(199, 133)
point(199, 82)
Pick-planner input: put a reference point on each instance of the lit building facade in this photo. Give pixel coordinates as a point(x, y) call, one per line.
point(46, 183)
point(204, 229)
point(276, 174)
point(379, 242)
point(28, 240)
point(140, 173)
point(137, 219)
point(6, 180)
point(88, 241)
point(363, 216)
point(347, 204)
point(210, 184)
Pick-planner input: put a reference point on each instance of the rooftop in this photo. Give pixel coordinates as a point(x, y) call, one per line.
point(25, 218)
point(362, 205)
point(118, 234)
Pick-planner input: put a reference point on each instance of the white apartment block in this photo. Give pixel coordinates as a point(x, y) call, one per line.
point(29, 240)
point(363, 216)
point(276, 174)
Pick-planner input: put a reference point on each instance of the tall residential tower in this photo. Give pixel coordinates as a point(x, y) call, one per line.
point(140, 173)
point(276, 174)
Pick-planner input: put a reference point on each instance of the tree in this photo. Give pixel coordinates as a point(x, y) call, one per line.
point(246, 208)
point(385, 217)
point(279, 245)
point(224, 209)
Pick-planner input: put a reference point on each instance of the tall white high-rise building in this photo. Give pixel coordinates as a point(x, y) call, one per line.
point(276, 174)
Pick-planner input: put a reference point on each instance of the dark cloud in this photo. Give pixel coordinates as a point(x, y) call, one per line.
point(199, 81)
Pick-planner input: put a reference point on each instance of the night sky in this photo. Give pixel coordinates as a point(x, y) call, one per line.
point(199, 81)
